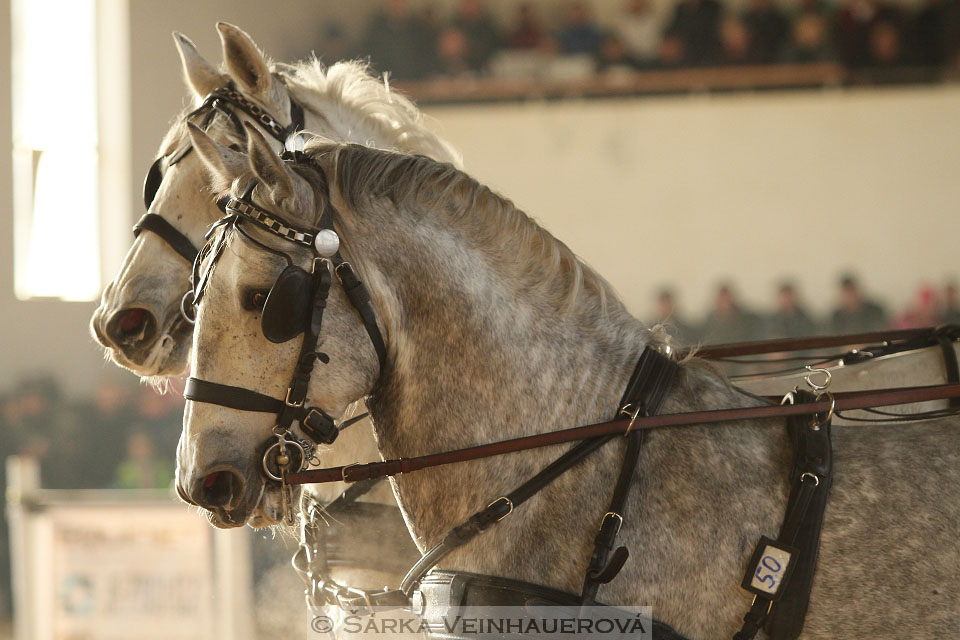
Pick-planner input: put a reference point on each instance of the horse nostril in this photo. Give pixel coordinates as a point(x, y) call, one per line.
point(220, 489)
point(131, 326)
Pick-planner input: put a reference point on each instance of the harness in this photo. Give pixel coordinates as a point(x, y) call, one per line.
point(295, 304)
point(779, 574)
point(224, 100)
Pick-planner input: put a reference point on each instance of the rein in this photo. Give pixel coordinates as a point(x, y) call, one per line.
point(828, 406)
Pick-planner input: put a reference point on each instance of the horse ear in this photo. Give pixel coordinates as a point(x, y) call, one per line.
point(223, 163)
point(244, 61)
point(199, 74)
point(287, 187)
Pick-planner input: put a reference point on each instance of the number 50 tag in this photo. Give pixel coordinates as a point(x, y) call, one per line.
point(769, 568)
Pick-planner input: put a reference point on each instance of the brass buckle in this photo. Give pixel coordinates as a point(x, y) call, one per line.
point(628, 410)
point(505, 499)
point(616, 515)
point(286, 399)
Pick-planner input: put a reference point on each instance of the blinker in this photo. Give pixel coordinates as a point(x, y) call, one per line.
point(151, 184)
point(287, 309)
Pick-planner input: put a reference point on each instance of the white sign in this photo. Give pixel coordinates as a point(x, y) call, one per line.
point(124, 573)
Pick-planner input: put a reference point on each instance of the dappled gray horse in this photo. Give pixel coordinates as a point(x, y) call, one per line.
point(494, 329)
point(139, 320)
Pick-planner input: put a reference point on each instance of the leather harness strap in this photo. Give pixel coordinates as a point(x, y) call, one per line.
point(646, 391)
point(780, 574)
point(178, 242)
point(156, 223)
point(843, 401)
point(815, 342)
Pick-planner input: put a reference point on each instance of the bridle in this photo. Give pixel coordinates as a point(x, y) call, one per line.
point(225, 100)
point(294, 305)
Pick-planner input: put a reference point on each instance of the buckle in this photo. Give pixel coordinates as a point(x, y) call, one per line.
point(286, 399)
point(509, 503)
point(343, 471)
point(613, 514)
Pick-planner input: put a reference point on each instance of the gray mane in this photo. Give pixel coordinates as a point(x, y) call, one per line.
point(357, 107)
point(424, 187)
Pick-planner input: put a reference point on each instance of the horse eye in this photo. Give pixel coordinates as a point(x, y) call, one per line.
point(253, 300)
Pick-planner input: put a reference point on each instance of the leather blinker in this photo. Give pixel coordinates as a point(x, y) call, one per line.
point(287, 309)
point(151, 184)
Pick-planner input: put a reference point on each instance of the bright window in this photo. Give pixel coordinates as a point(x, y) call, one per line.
point(55, 149)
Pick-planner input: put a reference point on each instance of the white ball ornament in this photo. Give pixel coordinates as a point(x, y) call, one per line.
point(327, 242)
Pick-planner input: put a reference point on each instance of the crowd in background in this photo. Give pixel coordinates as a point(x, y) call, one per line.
point(419, 43)
point(729, 320)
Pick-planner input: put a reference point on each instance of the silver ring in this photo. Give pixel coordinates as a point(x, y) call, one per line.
point(266, 455)
point(183, 308)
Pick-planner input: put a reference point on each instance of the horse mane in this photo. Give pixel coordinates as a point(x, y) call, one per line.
point(362, 109)
point(418, 183)
point(357, 106)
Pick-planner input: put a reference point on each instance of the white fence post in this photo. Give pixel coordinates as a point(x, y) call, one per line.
point(23, 476)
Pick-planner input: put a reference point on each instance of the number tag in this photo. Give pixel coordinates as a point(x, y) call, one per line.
point(769, 568)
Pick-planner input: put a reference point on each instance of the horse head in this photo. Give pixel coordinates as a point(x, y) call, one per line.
point(139, 320)
point(260, 293)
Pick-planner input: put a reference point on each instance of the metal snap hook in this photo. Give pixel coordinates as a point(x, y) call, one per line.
point(828, 377)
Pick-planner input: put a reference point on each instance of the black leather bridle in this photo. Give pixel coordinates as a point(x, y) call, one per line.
point(224, 100)
point(314, 287)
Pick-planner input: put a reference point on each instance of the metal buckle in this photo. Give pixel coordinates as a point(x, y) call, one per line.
point(286, 399)
point(337, 268)
point(505, 499)
point(817, 422)
point(616, 515)
point(633, 413)
point(807, 474)
point(343, 471)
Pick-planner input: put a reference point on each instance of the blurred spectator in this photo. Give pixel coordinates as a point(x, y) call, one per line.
point(923, 312)
point(729, 321)
point(640, 29)
point(452, 51)
point(868, 33)
point(105, 420)
point(930, 33)
point(667, 315)
point(398, 41)
point(855, 313)
point(810, 40)
point(734, 42)
point(142, 469)
point(333, 45)
point(672, 51)
point(767, 28)
point(696, 24)
point(580, 33)
point(480, 31)
point(526, 33)
point(790, 320)
point(614, 56)
point(951, 304)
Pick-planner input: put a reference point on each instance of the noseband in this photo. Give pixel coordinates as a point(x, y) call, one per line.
point(294, 305)
point(223, 100)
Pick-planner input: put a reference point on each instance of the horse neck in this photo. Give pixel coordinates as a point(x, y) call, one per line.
point(478, 357)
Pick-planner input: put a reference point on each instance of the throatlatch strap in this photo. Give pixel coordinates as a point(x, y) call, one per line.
point(177, 241)
point(646, 391)
point(780, 573)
